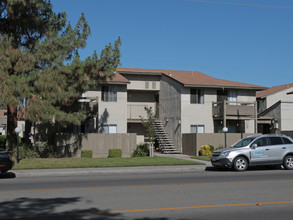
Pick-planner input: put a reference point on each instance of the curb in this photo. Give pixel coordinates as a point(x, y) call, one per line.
point(106, 171)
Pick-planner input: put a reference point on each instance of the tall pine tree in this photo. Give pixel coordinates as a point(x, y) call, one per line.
point(41, 73)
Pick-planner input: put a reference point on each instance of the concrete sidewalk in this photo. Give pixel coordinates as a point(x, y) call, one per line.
point(184, 157)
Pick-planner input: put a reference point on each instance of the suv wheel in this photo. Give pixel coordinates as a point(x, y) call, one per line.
point(288, 162)
point(240, 164)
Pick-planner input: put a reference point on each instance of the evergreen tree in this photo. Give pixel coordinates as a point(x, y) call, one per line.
point(41, 73)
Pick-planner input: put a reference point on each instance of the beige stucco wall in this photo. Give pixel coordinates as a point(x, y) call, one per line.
point(286, 116)
point(249, 126)
point(201, 114)
point(112, 113)
point(281, 95)
point(246, 95)
point(197, 114)
point(143, 82)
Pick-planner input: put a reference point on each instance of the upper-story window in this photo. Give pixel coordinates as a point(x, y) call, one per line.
point(196, 96)
point(109, 93)
point(227, 95)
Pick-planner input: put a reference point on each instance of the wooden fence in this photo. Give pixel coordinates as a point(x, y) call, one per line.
point(191, 143)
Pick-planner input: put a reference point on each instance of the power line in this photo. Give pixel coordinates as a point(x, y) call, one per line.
point(241, 4)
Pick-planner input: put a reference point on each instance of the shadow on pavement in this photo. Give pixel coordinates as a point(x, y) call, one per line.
point(42, 209)
point(8, 175)
point(254, 168)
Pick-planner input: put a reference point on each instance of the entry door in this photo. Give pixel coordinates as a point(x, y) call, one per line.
point(261, 153)
point(277, 149)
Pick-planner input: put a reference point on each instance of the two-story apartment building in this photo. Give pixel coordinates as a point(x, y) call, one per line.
point(275, 108)
point(184, 102)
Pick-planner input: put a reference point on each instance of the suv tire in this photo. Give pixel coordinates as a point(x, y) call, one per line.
point(288, 162)
point(240, 164)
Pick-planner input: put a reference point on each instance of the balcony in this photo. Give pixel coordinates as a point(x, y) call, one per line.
point(137, 110)
point(234, 110)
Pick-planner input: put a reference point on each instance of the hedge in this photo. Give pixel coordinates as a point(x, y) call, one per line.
point(115, 152)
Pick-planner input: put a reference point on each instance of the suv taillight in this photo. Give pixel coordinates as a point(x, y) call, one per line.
point(10, 156)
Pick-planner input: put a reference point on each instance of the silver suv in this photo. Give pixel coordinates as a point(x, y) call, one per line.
point(256, 150)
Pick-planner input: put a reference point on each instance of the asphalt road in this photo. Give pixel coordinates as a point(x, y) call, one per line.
point(147, 193)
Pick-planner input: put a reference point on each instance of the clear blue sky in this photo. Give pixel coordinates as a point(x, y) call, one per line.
point(247, 41)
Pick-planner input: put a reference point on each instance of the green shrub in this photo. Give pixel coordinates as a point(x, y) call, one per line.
point(142, 150)
point(115, 152)
point(87, 154)
point(2, 141)
point(26, 151)
point(46, 151)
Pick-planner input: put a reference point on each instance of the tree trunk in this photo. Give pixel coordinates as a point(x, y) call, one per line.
point(11, 125)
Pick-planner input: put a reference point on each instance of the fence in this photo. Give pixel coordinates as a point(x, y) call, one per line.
point(191, 143)
point(72, 144)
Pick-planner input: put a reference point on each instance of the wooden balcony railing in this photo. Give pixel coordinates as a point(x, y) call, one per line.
point(136, 111)
point(234, 110)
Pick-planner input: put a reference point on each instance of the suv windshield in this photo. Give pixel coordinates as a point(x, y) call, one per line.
point(244, 142)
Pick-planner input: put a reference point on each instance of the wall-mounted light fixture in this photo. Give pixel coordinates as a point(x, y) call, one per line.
point(179, 121)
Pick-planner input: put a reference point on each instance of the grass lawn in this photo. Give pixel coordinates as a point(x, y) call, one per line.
point(59, 163)
point(206, 158)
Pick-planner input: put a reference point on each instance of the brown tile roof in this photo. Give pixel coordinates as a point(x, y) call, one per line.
point(116, 79)
point(119, 78)
point(193, 78)
point(273, 90)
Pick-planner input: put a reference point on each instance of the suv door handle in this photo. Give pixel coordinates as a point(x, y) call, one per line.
point(267, 149)
point(284, 148)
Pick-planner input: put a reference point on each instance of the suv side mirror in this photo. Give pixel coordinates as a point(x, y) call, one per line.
point(253, 146)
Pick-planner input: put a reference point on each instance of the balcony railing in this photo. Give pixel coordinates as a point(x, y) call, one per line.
point(136, 111)
point(231, 110)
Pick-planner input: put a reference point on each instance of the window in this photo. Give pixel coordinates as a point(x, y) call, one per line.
point(232, 97)
point(222, 95)
point(227, 95)
point(108, 129)
point(276, 140)
point(286, 141)
point(196, 128)
point(109, 93)
point(261, 142)
point(196, 96)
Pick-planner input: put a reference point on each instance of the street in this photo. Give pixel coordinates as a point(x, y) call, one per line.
point(187, 192)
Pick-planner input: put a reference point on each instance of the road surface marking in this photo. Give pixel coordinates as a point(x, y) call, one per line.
point(143, 186)
point(143, 210)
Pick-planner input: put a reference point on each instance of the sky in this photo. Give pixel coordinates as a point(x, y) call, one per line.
point(248, 41)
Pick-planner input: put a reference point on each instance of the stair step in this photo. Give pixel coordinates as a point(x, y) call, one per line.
point(165, 142)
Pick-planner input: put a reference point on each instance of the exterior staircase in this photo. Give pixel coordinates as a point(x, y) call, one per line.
point(166, 144)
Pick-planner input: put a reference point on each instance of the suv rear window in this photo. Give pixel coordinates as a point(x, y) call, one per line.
point(287, 141)
point(275, 140)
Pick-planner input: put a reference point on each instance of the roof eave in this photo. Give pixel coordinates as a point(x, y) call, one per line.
point(140, 73)
point(225, 87)
point(114, 83)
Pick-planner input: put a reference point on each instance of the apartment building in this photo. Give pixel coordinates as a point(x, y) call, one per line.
point(183, 101)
